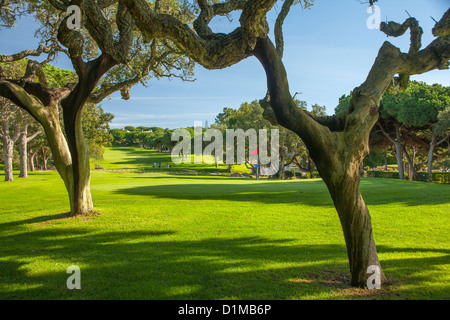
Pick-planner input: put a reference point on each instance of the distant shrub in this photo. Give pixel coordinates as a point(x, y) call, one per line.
point(288, 174)
point(437, 177)
point(315, 174)
point(384, 174)
point(441, 177)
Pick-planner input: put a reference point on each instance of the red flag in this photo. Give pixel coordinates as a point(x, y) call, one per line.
point(255, 152)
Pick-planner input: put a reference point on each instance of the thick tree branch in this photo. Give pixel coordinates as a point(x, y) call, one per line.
point(284, 109)
point(215, 53)
point(279, 39)
point(442, 27)
point(395, 29)
point(34, 135)
point(208, 12)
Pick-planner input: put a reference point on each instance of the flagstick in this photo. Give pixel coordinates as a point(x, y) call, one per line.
point(257, 168)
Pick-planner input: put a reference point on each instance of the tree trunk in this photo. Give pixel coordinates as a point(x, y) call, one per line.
point(356, 223)
point(8, 151)
point(398, 153)
point(412, 170)
point(81, 199)
point(72, 106)
point(59, 149)
point(23, 152)
point(430, 155)
point(398, 149)
point(31, 158)
point(280, 172)
point(385, 162)
point(44, 157)
point(8, 139)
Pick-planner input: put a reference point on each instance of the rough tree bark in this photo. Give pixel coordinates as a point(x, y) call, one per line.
point(8, 139)
point(72, 107)
point(23, 154)
point(8, 149)
point(337, 156)
point(31, 159)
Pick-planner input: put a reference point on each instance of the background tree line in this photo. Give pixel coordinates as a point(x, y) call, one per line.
point(412, 133)
point(293, 152)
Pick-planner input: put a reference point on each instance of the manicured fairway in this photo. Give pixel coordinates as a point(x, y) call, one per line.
point(136, 159)
point(166, 236)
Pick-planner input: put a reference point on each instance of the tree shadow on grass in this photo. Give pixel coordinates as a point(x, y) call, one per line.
point(265, 193)
point(39, 219)
point(145, 264)
point(312, 193)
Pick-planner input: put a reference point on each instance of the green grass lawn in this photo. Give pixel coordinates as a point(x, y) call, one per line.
point(136, 159)
point(166, 236)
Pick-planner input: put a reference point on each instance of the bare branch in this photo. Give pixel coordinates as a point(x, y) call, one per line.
point(34, 135)
point(26, 53)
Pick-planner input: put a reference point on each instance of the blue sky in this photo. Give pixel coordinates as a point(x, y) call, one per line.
point(328, 51)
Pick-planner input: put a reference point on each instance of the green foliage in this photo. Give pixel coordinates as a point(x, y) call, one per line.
point(288, 174)
point(96, 130)
point(344, 103)
point(57, 77)
point(417, 105)
point(318, 111)
point(143, 137)
point(375, 159)
point(441, 177)
point(250, 116)
point(384, 174)
point(442, 126)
